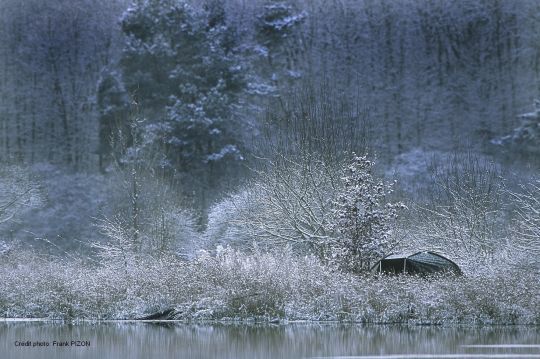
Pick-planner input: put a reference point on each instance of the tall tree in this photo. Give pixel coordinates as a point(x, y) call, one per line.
point(177, 65)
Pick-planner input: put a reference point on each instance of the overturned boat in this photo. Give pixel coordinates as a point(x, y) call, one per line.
point(416, 263)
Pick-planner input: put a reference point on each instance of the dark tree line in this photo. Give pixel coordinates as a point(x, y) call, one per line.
point(51, 58)
point(207, 77)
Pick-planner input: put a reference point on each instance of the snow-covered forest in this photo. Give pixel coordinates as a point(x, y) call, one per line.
point(255, 159)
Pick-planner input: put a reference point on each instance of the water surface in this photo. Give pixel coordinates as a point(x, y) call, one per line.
point(301, 340)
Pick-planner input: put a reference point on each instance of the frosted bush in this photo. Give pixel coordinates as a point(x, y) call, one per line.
point(363, 217)
point(226, 224)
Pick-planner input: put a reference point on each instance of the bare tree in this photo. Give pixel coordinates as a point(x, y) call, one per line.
point(337, 211)
point(19, 192)
point(293, 203)
point(463, 212)
point(527, 223)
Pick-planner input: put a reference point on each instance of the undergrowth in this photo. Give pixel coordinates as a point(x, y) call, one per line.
point(235, 285)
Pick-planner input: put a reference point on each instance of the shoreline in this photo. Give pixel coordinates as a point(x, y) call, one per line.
point(260, 322)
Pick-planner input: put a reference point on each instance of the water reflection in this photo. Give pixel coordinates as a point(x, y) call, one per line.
point(147, 340)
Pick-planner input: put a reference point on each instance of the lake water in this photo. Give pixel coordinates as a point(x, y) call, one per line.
point(301, 340)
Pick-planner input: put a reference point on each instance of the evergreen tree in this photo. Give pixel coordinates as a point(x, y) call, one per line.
point(179, 68)
point(524, 139)
point(277, 21)
point(363, 217)
point(275, 28)
point(176, 66)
